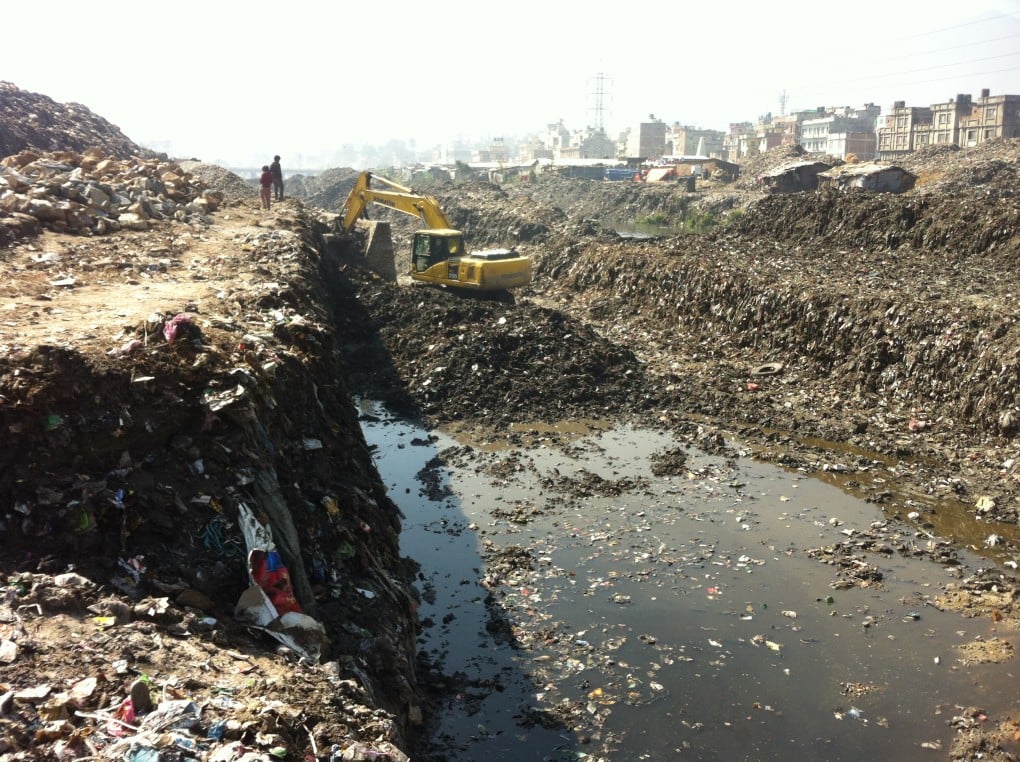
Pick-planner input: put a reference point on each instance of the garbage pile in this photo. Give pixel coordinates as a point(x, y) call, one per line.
point(90, 675)
point(935, 223)
point(485, 360)
point(991, 168)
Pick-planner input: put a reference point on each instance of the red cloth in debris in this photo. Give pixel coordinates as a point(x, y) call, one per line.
point(270, 573)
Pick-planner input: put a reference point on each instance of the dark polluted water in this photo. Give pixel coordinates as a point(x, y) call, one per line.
point(587, 609)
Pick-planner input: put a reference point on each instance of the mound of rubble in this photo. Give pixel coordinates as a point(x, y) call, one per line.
point(31, 121)
point(233, 188)
point(447, 357)
point(327, 190)
point(991, 166)
point(91, 193)
point(938, 224)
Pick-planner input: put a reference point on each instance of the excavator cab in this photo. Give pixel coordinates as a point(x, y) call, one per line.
point(435, 246)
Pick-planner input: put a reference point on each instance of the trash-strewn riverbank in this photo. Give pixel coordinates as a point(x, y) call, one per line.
point(181, 446)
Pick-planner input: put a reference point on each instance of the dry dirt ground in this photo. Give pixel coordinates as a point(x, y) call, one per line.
point(152, 383)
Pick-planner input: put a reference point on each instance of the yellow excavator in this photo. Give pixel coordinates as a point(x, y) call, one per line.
point(438, 254)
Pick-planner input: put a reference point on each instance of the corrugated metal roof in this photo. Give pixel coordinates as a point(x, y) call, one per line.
point(862, 170)
point(782, 169)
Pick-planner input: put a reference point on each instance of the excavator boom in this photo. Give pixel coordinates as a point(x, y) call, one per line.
point(400, 198)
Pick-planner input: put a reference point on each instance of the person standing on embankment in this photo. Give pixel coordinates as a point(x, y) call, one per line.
point(266, 183)
point(277, 172)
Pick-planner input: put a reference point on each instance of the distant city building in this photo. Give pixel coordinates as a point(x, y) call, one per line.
point(534, 148)
point(824, 131)
point(557, 138)
point(836, 131)
point(731, 141)
point(648, 140)
point(842, 131)
point(789, 124)
point(684, 140)
point(763, 138)
point(993, 116)
point(497, 151)
point(458, 151)
point(747, 139)
point(896, 138)
point(960, 121)
point(597, 145)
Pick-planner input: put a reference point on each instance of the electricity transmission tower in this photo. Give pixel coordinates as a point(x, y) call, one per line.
point(600, 99)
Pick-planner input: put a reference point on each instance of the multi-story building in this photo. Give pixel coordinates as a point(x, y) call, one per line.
point(945, 122)
point(761, 141)
point(896, 138)
point(990, 117)
point(842, 131)
point(788, 125)
point(535, 148)
point(497, 150)
point(684, 140)
point(555, 140)
point(960, 121)
point(770, 131)
point(596, 144)
point(739, 132)
point(648, 140)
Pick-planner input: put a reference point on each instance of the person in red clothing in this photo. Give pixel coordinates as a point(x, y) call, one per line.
point(266, 181)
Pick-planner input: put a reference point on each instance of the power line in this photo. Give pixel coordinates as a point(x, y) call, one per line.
point(820, 88)
point(975, 74)
point(955, 26)
point(954, 63)
point(914, 83)
point(942, 78)
point(872, 77)
point(876, 80)
point(934, 51)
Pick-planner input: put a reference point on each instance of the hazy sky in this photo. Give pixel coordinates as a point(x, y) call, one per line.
point(235, 82)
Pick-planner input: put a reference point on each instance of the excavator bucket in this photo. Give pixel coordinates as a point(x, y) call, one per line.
point(371, 247)
point(379, 254)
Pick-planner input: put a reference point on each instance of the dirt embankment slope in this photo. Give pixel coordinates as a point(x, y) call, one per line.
point(165, 374)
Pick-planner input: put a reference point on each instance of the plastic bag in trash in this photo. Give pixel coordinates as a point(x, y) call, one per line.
point(180, 714)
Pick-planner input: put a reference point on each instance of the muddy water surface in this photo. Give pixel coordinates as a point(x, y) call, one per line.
point(585, 608)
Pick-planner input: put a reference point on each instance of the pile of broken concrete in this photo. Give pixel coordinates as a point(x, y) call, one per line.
point(92, 193)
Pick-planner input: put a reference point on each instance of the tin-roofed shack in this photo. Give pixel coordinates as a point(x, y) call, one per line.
point(671, 175)
point(885, 178)
point(793, 177)
point(726, 171)
point(703, 166)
